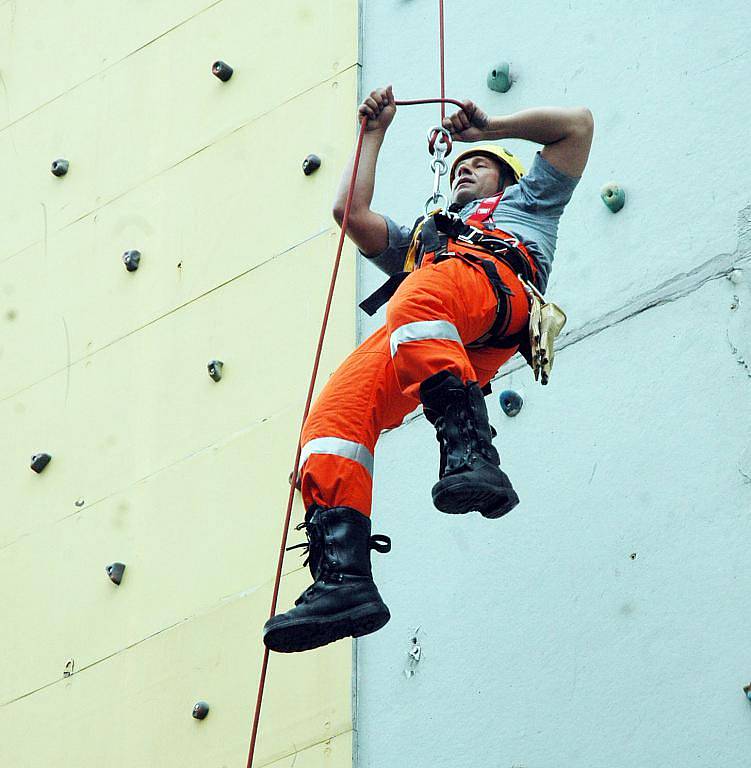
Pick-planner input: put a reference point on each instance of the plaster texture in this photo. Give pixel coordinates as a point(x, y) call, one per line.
point(182, 478)
point(603, 622)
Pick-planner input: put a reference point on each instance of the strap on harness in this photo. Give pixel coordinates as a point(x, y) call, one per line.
point(504, 250)
point(371, 304)
point(495, 335)
point(427, 232)
point(379, 297)
point(484, 210)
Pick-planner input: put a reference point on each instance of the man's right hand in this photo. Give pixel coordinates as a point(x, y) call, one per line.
point(379, 108)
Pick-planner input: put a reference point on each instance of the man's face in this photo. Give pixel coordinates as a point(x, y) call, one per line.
point(476, 177)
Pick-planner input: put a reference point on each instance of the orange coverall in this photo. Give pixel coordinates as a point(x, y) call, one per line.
point(436, 311)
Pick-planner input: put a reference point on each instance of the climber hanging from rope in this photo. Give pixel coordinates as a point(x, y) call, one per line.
point(464, 294)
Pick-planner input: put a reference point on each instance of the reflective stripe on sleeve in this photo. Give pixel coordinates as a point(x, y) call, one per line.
point(424, 329)
point(336, 446)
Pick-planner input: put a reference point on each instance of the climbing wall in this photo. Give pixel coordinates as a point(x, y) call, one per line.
point(167, 386)
point(604, 622)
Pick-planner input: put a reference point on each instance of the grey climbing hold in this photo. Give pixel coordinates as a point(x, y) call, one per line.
point(499, 78)
point(511, 402)
point(39, 461)
point(413, 656)
point(115, 572)
point(131, 259)
point(59, 167)
point(736, 276)
point(311, 164)
point(613, 196)
point(222, 70)
point(215, 369)
point(200, 710)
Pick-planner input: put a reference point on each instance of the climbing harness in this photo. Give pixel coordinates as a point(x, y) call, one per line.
point(439, 235)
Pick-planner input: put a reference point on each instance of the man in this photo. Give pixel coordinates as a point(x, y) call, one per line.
point(461, 312)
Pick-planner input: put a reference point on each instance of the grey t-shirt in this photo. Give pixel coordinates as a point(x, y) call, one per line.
point(529, 210)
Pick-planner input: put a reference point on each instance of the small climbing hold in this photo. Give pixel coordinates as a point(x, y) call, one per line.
point(200, 710)
point(69, 668)
point(115, 572)
point(59, 167)
point(511, 402)
point(39, 461)
point(298, 484)
point(215, 369)
point(747, 691)
point(736, 276)
point(413, 656)
point(311, 164)
point(131, 260)
point(613, 196)
point(499, 78)
point(222, 70)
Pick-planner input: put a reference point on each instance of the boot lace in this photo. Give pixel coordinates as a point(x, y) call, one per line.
point(310, 533)
point(377, 541)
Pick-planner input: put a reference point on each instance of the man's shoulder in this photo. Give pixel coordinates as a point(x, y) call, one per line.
point(544, 189)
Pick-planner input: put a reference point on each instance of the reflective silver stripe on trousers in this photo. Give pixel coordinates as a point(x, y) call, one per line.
point(336, 446)
point(424, 329)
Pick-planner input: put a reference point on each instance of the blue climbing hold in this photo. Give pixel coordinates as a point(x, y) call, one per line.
point(613, 196)
point(499, 78)
point(511, 402)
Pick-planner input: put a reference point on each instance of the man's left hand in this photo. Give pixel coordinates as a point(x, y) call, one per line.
point(467, 124)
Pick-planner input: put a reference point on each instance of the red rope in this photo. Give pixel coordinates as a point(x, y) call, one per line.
point(324, 324)
point(443, 79)
point(345, 220)
point(407, 102)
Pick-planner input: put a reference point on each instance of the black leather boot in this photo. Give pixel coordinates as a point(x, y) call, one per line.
point(343, 600)
point(470, 473)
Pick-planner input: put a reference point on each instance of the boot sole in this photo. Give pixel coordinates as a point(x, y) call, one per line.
point(455, 496)
point(313, 632)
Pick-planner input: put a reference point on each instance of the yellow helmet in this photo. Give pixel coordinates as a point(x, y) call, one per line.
point(494, 151)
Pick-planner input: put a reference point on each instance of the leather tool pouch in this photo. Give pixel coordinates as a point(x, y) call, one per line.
point(546, 321)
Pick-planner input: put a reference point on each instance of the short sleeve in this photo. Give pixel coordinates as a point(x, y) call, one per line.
point(391, 259)
point(545, 190)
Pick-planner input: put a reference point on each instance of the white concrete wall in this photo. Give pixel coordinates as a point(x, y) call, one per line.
point(604, 622)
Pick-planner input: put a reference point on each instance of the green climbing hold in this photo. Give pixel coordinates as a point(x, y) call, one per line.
point(499, 78)
point(613, 196)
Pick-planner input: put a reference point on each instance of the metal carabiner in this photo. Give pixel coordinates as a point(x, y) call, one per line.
point(439, 168)
point(438, 165)
point(433, 135)
point(433, 201)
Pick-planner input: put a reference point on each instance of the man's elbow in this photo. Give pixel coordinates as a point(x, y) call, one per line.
point(584, 119)
point(356, 214)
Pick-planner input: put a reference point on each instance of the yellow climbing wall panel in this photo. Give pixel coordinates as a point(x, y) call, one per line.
point(154, 464)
